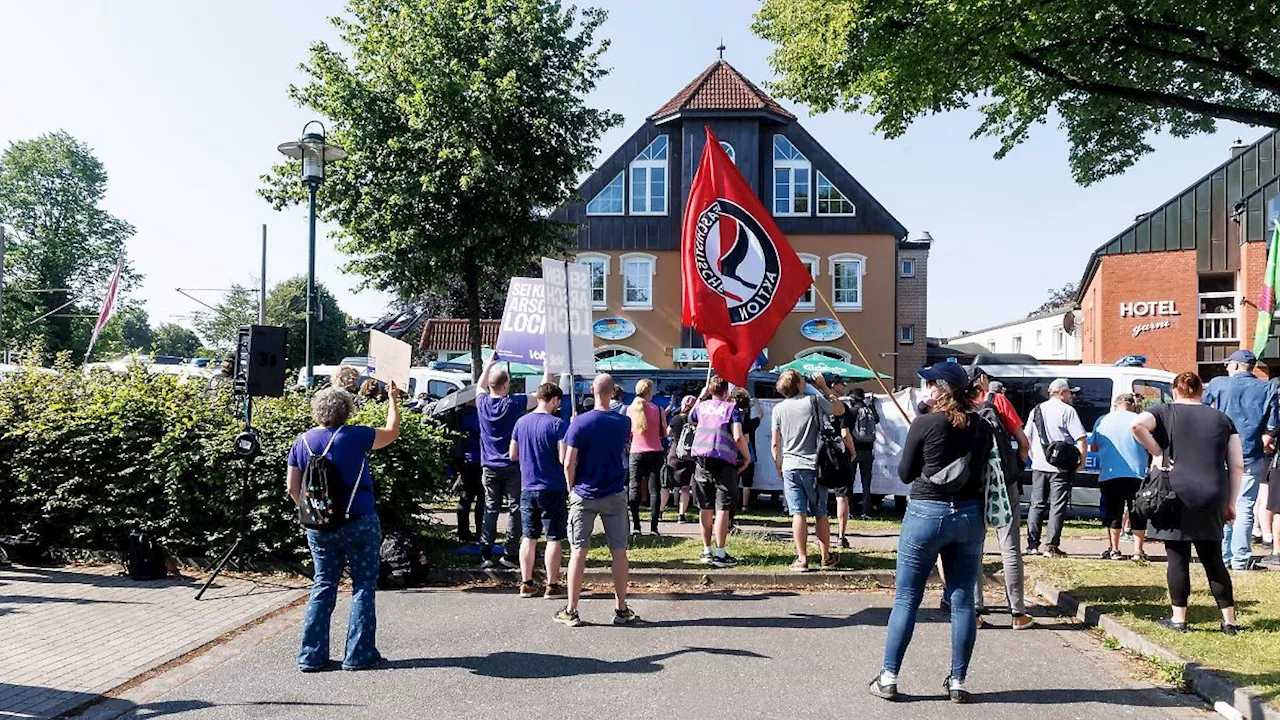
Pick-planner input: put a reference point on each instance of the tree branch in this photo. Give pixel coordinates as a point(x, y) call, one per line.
point(1244, 70)
point(1151, 98)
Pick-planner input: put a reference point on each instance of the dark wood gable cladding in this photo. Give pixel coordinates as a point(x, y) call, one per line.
point(751, 135)
point(1203, 217)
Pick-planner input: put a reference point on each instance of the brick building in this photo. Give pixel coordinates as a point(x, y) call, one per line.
point(629, 218)
point(1180, 285)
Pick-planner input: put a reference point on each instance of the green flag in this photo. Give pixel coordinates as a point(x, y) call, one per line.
point(1267, 301)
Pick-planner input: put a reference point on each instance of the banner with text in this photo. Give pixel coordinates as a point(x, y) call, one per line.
point(568, 317)
point(520, 337)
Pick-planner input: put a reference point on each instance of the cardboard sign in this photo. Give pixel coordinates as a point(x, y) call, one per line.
point(520, 337)
point(389, 359)
point(569, 344)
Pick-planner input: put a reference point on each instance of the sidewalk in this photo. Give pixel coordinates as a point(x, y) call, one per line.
point(72, 634)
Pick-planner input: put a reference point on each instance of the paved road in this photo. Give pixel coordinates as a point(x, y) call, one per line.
point(749, 655)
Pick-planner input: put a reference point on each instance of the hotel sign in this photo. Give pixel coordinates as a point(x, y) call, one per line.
point(1150, 309)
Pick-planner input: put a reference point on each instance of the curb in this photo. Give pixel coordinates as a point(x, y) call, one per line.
point(1210, 686)
point(857, 579)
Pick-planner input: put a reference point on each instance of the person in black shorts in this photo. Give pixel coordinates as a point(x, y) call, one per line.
point(681, 470)
point(844, 493)
point(750, 423)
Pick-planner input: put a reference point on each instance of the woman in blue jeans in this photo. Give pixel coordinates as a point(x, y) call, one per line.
point(356, 542)
point(943, 458)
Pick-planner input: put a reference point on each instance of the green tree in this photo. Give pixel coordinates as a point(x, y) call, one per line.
point(173, 339)
point(465, 121)
point(1113, 72)
point(1059, 298)
point(61, 247)
point(135, 328)
point(286, 306)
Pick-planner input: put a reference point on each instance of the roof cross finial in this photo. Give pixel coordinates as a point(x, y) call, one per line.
point(720, 48)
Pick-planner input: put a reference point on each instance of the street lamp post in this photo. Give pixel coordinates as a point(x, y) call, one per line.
point(314, 152)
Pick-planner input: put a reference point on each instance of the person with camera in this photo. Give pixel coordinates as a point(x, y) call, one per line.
point(1057, 453)
point(355, 542)
point(1199, 448)
point(797, 427)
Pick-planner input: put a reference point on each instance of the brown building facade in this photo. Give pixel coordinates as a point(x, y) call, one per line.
point(630, 215)
point(1180, 286)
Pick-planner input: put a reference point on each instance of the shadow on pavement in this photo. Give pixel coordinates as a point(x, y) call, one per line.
point(1152, 697)
point(794, 621)
point(537, 666)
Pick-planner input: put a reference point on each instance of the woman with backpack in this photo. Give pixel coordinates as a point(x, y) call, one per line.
point(648, 426)
point(943, 459)
point(329, 480)
point(681, 468)
point(1200, 449)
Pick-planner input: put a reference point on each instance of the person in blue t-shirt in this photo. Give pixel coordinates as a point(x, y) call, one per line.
point(499, 411)
point(595, 468)
point(537, 444)
point(1122, 463)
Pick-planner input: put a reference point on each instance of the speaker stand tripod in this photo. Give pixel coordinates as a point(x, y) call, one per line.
point(246, 446)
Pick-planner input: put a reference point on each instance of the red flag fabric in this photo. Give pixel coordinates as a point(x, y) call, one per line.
point(108, 304)
point(739, 275)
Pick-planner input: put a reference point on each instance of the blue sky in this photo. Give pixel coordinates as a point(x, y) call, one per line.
point(185, 104)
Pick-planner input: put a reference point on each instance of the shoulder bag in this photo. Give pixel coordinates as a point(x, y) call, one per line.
point(833, 461)
point(1156, 501)
point(1061, 454)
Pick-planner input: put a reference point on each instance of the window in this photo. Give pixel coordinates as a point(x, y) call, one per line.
point(991, 345)
point(790, 178)
point(1017, 343)
point(1152, 392)
point(831, 352)
point(830, 200)
point(907, 334)
point(847, 270)
point(599, 265)
point(609, 200)
point(1039, 338)
point(1092, 402)
point(806, 301)
point(649, 179)
point(440, 388)
point(637, 281)
point(1217, 316)
point(604, 352)
point(728, 150)
point(1059, 340)
point(908, 268)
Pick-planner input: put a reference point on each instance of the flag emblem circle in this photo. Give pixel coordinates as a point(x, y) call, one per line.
point(737, 259)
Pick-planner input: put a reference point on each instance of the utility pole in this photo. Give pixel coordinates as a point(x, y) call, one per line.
point(262, 281)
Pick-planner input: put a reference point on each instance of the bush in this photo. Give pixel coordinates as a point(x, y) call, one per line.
point(87, 459)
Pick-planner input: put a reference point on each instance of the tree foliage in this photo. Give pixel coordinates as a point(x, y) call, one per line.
point(465, 123)
point(173, 339)
point(1059, 298)
point(60, 246)
point(1112, 72)
point(286, 306)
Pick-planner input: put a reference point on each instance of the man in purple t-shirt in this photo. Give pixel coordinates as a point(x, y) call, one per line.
point(537, 444)
point(720, 450)
point(499, 411)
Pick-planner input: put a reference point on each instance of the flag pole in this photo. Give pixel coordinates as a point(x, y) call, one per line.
point(863, 357)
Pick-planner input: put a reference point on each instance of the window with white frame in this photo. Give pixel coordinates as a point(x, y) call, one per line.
point(637, 280)
point(649, 179)
point(598, 263)
point(991, 345)
point(830, 200)
point(907, 334)
point(790, 178)
point(609, 200)
point(1059, 340)
point(847, 271)
point(831, 352)
point(806, 301)
point(1017, 343)
point(728, 150)
point(908, 268)
point(1039, 338)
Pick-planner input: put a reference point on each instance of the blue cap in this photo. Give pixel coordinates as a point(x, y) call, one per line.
point(949, 372)
point(1243, 356)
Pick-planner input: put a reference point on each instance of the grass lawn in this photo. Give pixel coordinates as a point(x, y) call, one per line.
point(775, 518)
point(1137, 596)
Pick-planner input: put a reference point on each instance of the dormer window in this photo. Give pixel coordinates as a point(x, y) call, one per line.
point(790, 178)
point(649, 179)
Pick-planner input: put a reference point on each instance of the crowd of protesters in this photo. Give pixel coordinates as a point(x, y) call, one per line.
point(558, 476)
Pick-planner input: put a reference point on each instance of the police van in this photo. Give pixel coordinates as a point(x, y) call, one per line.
point(1027, 385)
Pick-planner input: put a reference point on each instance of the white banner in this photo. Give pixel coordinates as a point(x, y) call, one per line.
point(570, 346)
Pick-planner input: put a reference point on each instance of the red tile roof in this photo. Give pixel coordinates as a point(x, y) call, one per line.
point(450, 334)
point(721, 87)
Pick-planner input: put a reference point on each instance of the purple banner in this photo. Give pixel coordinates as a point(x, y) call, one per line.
point(522, 338)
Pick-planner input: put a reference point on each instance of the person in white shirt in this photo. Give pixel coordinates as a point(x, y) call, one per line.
point(1053, 421)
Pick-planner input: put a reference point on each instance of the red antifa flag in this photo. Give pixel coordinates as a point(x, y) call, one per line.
point(739, 276)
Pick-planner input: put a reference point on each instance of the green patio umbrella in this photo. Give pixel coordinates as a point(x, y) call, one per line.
point(817, 363)
point(514, 368)
point(623, 361)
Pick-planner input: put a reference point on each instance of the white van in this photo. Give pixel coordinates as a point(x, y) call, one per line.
point(1027, 386)
point(434, 383)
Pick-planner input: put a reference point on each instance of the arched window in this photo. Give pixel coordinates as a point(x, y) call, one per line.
point(831, 352)
point(638, 270)
point(728, 150)
point(847, 271)
point(649, 179)
point(605, 352)
point(609, 200)
point(790, 178)
point(599, 266)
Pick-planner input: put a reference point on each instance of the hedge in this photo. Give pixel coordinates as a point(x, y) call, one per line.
point(85, 460)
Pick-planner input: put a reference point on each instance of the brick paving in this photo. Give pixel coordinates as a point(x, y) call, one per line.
point(69, 635)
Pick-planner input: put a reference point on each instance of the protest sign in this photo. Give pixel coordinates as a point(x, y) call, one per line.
point(568, 317)
point(389, 359)
point(520, 337)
